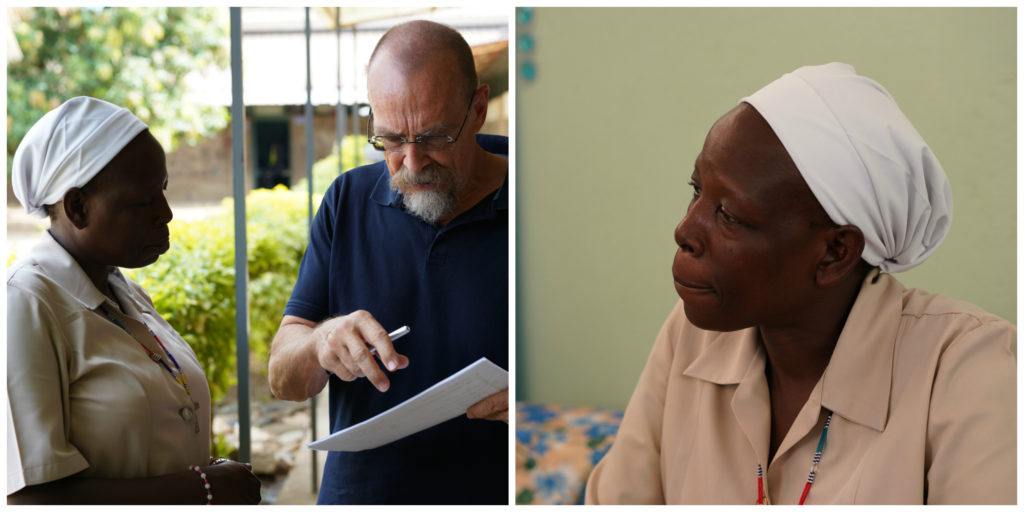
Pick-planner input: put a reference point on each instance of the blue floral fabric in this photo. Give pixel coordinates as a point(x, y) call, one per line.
point(556, 449)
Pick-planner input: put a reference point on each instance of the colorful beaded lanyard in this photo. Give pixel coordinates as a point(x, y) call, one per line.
point(762, 494)
point(176, 373)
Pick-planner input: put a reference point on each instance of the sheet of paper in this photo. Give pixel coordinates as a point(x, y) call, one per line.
point(438, 403)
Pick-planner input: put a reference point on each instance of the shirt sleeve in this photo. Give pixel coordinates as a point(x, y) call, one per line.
point(972, 430)
point(309, 298)
point(630, 473)
point(39, 447)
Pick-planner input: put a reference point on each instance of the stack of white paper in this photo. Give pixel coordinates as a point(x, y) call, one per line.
point(440, 402)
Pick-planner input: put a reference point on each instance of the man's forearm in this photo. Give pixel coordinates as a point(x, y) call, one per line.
point(294, 372)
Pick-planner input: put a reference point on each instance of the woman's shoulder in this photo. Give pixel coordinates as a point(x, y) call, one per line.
point(945, 333)
point(27, 281)
point(38, 307)
point(48, 275)
point(952, 318)
point(920, 303)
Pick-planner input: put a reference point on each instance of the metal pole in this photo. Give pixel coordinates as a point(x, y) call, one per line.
point(309, 220)
point(358, 160)
point(339, 123)
point(309, 123)
point(241, 263)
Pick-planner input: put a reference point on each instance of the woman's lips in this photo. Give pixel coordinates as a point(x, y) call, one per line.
point(692, 287)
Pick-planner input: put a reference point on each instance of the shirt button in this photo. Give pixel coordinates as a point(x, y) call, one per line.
point(186, 414)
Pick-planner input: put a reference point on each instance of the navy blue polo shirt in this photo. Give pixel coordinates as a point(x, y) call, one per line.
point(450, 285)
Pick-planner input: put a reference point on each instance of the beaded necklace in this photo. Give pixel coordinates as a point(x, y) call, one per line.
point(762, 493)
point(176, 373)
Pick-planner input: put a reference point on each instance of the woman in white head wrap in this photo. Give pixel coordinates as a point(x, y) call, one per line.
point(795, 368)
point(107, 404)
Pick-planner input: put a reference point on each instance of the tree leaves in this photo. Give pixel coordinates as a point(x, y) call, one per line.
point(133, 57)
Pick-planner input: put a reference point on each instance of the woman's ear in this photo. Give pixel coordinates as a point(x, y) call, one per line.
point(74, 208)
point(844, 246)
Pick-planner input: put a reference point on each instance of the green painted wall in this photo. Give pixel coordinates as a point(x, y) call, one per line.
point(608, 132)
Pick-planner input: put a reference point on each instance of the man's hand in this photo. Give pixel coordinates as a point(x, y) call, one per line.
point(343, 348)
point(494, 407)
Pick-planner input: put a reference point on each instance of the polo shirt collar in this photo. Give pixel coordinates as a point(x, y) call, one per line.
point(857, 382)
point(501, 196)
point(57, 264)
point(382, 192)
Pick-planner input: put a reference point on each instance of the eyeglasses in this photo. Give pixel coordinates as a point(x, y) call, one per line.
point(389, 143)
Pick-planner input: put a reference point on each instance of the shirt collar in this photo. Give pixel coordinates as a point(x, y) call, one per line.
point(501, 196)
point(857, 381)
point(130, 301)
point(57, 264)
point(726, 359)
point(382, 192)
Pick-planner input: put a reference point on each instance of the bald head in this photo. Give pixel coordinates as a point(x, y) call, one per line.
point(415, 46)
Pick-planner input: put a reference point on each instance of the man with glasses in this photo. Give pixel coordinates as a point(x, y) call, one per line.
point(420, 239)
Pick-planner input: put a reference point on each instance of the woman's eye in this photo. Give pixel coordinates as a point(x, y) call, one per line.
point(696, 189)
point(726, 217)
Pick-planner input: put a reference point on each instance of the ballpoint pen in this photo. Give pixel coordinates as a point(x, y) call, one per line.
point(394, 335)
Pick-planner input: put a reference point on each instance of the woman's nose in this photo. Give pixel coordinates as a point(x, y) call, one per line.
point(689, 232)
point(165, 213)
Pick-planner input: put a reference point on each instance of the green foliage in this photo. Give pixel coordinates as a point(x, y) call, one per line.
point(222, 447)
point(133, 57)
point(324, 171)
point(193, 284)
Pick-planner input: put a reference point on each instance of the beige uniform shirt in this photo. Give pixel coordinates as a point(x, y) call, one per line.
point(923, 390)
point(84, 396)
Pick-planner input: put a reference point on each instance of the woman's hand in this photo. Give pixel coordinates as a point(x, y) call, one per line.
point(232, 483)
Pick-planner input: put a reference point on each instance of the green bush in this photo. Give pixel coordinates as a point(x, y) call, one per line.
point(325, 170)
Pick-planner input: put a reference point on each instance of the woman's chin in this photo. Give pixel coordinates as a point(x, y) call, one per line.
point(711, 319)
point(146, 257)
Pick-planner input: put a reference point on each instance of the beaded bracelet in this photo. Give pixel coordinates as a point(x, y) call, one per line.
point(206, 483)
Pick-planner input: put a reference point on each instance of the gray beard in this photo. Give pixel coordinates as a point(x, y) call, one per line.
point(431, 206)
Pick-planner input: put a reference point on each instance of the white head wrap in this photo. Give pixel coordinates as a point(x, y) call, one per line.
point(67, 147)
point(862, 159)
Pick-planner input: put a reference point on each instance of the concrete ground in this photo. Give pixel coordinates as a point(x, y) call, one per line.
point(297, 487)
